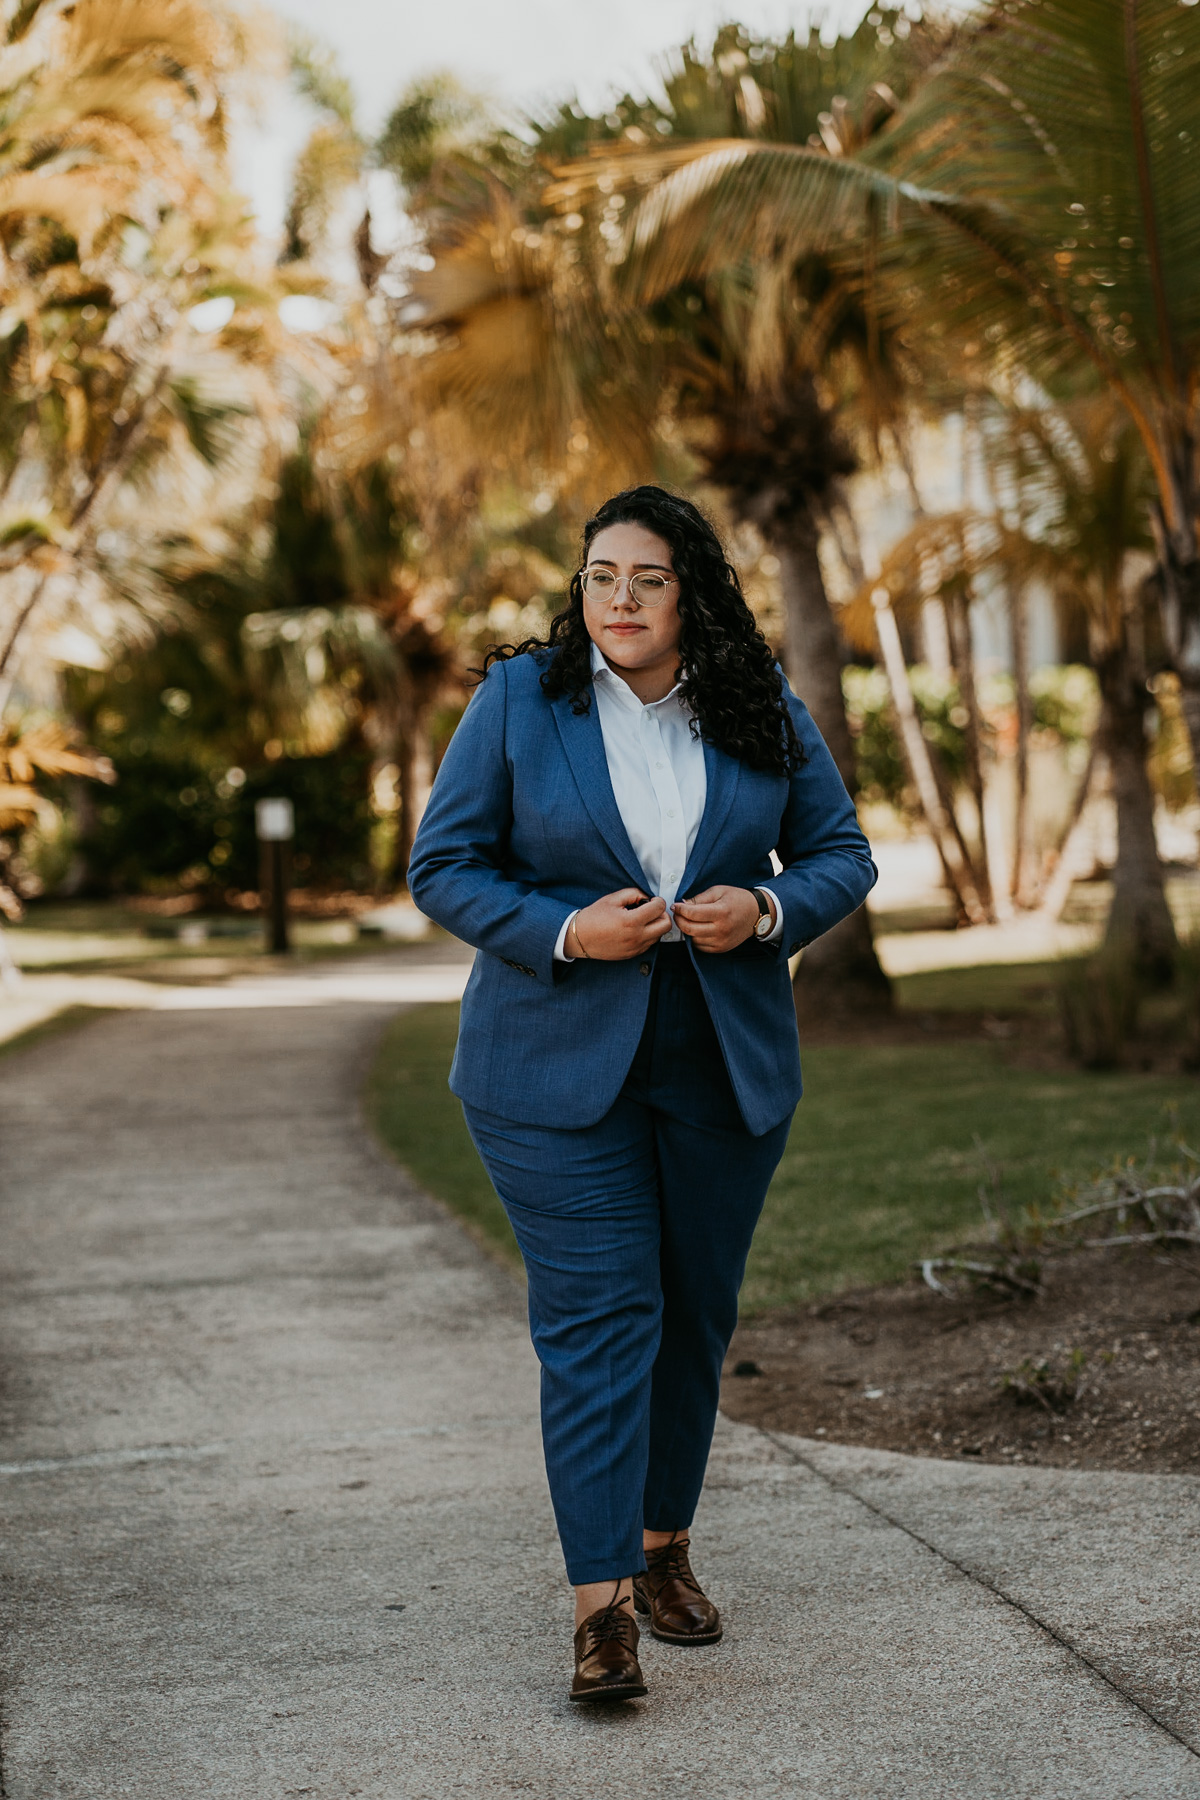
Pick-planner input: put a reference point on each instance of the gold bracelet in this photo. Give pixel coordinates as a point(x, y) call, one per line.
point(578, 939)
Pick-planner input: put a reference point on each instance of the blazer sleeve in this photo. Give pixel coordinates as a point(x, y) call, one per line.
point(456, 873)
point(827, 867)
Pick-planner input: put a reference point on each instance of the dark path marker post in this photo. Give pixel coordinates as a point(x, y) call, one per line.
point(275, 823)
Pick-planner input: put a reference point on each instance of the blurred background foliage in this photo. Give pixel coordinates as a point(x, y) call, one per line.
point(264, 506)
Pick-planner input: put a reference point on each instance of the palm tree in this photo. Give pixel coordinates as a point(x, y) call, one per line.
point(115, 222)
point(747, 368)
point(34, 750)
point(1084, 533)
point(1036, 201)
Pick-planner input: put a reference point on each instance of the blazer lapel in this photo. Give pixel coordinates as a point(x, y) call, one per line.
point(583, 742)
point(721, 773)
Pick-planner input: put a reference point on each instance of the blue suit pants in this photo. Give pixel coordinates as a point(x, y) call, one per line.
point(635, 1233)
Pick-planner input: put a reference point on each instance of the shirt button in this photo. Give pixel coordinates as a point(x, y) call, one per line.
point(643, 968)
point(671, 812)
point(659, 765)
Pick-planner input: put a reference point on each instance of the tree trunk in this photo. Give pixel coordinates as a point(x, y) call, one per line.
point(840, 969)
point(412, 758)
point(939, 816)
point(1022, 882)
point(813, 654)
point(1140, 916)
point(962, 656)
point(1061, 873)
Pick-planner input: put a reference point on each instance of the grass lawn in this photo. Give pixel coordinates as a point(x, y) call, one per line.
point(883, 1164)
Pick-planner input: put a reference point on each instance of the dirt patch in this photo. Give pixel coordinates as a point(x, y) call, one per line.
point(1100, 1371)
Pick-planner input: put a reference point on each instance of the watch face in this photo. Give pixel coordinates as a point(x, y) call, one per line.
point(763, 928)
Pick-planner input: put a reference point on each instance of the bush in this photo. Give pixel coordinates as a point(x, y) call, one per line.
point(1065, 708)
point(1066, 702)
point(174, 823)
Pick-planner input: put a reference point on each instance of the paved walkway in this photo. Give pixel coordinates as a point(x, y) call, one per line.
point(275, 1521)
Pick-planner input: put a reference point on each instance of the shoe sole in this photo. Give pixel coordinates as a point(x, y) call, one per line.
point(612, 1693)
point(684, 1638)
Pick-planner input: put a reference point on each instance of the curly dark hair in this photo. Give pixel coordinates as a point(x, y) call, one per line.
point(728, 674)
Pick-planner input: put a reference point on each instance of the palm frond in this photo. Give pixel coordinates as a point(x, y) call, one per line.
point(703, 206)
point(1040, 189)
point(529, 350)
point(47, 748)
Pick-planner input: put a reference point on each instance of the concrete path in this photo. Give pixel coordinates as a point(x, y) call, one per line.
point(275, 1523)
point(430, 973)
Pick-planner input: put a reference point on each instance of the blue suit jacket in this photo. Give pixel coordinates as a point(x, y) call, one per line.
point(522, 828)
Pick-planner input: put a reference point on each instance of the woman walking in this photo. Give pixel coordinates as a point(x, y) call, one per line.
point(602, 829)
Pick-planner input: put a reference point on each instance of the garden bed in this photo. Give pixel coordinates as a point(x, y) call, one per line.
point(1101, 1370)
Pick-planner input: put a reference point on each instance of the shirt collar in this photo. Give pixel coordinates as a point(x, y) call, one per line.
point(620, 688)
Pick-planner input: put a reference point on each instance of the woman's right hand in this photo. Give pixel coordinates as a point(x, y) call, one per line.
point(617, 926)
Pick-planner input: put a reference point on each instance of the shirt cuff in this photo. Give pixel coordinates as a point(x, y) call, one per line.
point(773, 936)
point(560, 951)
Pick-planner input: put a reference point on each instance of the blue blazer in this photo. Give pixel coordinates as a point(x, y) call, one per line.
point(522, 828)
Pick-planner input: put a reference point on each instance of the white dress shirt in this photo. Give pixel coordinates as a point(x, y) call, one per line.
point(659, 783)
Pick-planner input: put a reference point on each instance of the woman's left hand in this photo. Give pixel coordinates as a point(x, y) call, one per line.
point(719, 919)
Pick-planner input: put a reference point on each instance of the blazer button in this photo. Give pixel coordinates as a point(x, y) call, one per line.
point(643, 968)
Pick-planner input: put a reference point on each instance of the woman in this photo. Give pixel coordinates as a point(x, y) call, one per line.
point(601, 829)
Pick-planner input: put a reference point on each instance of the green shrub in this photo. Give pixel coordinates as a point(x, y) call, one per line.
point(171, 822)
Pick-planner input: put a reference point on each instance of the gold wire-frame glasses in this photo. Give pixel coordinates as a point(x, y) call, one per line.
point(647, 589)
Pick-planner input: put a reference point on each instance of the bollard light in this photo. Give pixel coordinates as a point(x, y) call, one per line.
point(275, 824)
point(275, 821)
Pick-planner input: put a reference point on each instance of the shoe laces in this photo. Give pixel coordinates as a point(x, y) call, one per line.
point(670, 1563)
point(609, 1622)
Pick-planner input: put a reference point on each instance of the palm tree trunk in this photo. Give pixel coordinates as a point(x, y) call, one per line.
point(1140, 917)
point(962, 656)
point(1022, 882)
point(841, 968)
point(410, 740)
point(939, 814)
point(1056, 887)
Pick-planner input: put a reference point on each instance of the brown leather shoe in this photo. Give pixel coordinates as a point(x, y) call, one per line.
point(680, 1613)
point(606, 1664)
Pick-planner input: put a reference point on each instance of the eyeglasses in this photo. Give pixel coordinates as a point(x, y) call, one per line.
point(647, 589)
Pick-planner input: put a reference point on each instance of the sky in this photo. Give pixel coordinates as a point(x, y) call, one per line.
point(522, 52)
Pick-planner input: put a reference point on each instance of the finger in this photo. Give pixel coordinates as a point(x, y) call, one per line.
point(709, 896)
point(707, 940)
point(657, 928)
point(704, 912)
point(627, 896)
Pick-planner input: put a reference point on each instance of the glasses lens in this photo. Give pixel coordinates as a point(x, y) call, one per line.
point(649, 590)
point(598, 584)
